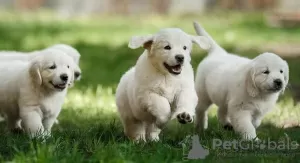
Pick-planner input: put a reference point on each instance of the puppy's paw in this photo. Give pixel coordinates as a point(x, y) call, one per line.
point(153, 137)
point(228, 127)
point(184, 118)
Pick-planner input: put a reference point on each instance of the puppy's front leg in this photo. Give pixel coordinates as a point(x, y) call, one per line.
point(48, 123)
point(158, 107)
point(152, 132)
point(242, 124)
point(185, 107)
point(256, 122)
point(31, 122)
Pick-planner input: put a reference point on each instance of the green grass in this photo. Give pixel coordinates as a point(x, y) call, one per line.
point(89, 129)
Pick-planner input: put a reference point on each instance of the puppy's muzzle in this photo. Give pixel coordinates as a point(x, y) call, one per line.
point(179, 58)
point(64, 77)
point(175, 69)
point(277, 84)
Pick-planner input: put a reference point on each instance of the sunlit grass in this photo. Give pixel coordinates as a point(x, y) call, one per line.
point(102, 99)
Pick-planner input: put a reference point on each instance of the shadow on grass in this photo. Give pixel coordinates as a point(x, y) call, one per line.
point(88, 138)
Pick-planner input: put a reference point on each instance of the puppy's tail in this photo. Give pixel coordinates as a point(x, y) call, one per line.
point(215, 47)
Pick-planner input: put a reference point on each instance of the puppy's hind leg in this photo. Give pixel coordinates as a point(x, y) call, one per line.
point(134, 129)
point(153, 132)
point(223, 118)
point(201, 120)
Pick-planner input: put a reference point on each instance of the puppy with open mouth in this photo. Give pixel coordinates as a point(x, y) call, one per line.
point(243, 89)
point(32, 93)
point(8, 56)
point(161, 84)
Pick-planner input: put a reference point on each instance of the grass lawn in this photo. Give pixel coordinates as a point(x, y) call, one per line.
point(89, 128)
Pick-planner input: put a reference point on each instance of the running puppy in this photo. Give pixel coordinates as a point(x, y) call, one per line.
point(161, 84)
point(33, 92)
point(243, 89)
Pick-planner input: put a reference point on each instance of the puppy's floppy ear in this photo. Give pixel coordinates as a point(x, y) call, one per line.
point(286, 75)
point(35, 73)
point(77, 73)
point(250, 82)
point(138, 41)
point(202, 41)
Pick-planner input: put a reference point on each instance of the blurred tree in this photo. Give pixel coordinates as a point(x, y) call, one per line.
point(119, 6)
point(85, 7)
point(161, 6)
point(28, 4)
point(286, 14)
point(247, 4)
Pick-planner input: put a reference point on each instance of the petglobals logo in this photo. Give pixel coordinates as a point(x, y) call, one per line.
point(193, 150)
point(197, 151)
point(268, 144)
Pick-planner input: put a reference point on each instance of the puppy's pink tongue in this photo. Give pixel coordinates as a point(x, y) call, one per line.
point(177, 68)
point(61, 85)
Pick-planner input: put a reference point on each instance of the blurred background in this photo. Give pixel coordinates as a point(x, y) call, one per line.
point(70, 8)
point(100, 31)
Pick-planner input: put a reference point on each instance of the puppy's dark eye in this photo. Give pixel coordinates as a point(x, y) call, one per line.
point(266, 72)
point(52, 67)
point(184, 47)
point(281, 71)
point(68, 66)
point(167, 47)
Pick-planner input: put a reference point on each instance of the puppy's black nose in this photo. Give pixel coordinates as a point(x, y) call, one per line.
point(278, 82)
point(179, 58)
point(64, 77)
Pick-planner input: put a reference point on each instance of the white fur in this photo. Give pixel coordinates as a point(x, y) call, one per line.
point(239, 86)
point(72, 52)
point(148, 95)
point(58, 48)
point(26, 92)
point(62, 48)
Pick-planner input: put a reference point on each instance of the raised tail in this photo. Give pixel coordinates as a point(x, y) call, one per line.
point(201, 32)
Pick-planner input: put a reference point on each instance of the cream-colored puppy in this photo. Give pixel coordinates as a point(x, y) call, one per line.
point(243, 89)
point(34, 91)
point(161, 84)
point(25, 56)
point(59, 48)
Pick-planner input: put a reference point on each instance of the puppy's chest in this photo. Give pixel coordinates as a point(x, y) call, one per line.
point(50, 106)
point(264, 107)
point(167, 90)
point(259, 108)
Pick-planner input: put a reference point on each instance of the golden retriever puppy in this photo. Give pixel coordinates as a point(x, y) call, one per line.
point(33, 92)
point(160, 86)
point(243, 89)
